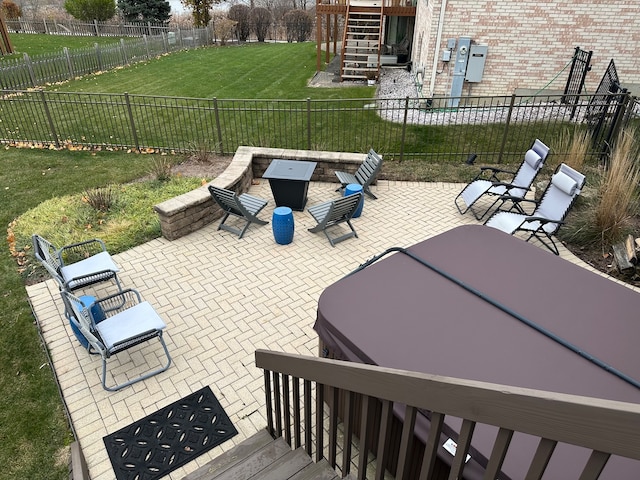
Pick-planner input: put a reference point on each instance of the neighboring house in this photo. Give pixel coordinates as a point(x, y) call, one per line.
point(521, 46)
point(529, 43)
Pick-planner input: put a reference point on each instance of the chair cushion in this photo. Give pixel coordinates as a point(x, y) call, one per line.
point(532, 159)
point(128, 324)
point(95, 263)
point(564, 182)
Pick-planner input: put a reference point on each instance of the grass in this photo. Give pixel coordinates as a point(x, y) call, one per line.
point(250, 71)
point(34, 434)
point(50, 44)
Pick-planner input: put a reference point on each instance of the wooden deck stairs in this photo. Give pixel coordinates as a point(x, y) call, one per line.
point(260, 457)
point(362, 39)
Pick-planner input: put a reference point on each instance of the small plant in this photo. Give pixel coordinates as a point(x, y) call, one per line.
point(200, 151)
point(161, 168)
point(371, 75)
point(100, 199)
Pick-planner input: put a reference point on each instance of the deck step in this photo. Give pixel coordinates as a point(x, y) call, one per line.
point(260, 457)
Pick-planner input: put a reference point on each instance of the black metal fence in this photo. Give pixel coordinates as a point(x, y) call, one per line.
point(498, 129)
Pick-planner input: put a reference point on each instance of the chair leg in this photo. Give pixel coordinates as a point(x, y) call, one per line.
point(141, 377)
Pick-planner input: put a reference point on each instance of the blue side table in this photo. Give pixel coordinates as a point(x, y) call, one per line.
point(350, 190)
point(282, 223)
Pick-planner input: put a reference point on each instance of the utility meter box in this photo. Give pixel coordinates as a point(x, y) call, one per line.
point(475, 65)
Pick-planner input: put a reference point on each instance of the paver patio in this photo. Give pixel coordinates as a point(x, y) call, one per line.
point(222, 298)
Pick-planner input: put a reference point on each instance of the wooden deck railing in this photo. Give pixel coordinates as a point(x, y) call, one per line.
point(604, 427)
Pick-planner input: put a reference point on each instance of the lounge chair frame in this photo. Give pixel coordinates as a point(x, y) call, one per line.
point(537, 224)
point(489, 182)
point(243, 206)
point(335, 212)
point(144, 324)
point(365, 175)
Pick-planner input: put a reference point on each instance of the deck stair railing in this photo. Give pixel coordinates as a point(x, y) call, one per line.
point(348, 392)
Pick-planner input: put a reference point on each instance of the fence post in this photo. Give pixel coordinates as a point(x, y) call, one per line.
point(69, 64)
point(218, 128)
point(98, 56)
point(125, 60)
point(149, 26)
point(146, 45)
point(32, 75)
point(131, 122)
point(46, 27)
point(95, 26)
point(404, 127)
point(308, 123)
point(506, 127)
point(49, 118)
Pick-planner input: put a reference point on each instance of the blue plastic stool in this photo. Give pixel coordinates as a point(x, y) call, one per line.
point(350, 190)
point(282, 223)
point(97, 313)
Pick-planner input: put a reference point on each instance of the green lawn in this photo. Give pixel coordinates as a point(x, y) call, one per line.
point(33, 44)
point(250, 71)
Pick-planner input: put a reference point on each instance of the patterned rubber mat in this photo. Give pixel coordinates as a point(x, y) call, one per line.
point(169, 438)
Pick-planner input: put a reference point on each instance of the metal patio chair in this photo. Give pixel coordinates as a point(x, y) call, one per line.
point(550, 212)
point(77, 265)
point(114, 324)
point(518, 185)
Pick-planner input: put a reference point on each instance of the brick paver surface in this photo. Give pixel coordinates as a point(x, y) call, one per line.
point(222, 298)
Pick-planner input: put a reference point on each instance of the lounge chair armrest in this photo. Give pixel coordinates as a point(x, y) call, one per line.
point(511, 198)
point(543, 220)
point(510, 185)
point(119, 301)
point(482, 174)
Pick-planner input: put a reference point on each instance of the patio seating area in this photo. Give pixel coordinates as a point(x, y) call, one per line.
point(221, 299)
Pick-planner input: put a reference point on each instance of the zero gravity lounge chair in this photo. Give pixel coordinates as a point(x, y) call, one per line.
point(518, 186)
point(550, 212)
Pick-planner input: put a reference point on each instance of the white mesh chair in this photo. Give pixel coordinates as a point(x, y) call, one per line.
point(517, 186)
point(78, 265)
point(124, 322)
point(550, 212)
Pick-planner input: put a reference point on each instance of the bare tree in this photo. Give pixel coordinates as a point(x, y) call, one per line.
point(261, 19)
point(299, 25)
point(223, 27)
point(240, 14)
point(200, 11)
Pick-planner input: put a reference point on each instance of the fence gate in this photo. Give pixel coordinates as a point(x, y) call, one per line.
point(605, 110)
point(580, 65)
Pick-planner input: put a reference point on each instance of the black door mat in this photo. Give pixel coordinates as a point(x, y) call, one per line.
point(169, 438)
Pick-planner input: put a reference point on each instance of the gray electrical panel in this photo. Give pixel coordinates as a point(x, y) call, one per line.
point(459, 70)
point(475, 65)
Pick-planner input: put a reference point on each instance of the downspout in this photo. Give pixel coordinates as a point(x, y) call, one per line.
point(436, 53)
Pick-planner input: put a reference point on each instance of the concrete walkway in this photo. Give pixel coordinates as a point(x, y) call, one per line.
point(222, 298)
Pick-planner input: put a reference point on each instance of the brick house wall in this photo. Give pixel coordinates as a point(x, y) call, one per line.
point(529, 42)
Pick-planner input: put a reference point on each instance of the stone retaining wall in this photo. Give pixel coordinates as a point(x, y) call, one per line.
point(193, 210)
